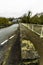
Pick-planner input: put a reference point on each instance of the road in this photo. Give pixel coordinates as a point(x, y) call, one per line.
point(36, 40)
point(14, 56)
point(5, 33)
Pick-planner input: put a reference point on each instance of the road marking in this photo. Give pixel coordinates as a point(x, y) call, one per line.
point(4, 42)
point(7, 40)
point(11, 37)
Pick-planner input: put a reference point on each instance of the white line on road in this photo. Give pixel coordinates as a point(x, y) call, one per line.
point(7, 40)
point(11, 37)
point(4, 42)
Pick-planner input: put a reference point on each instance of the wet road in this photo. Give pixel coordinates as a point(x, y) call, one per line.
point(5, 33)
point(36, 40)
point(14, 56)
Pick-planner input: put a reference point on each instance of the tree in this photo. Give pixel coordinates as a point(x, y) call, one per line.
point(28, 17)
point(4, 22)
point(41, 19)
point(24, 18)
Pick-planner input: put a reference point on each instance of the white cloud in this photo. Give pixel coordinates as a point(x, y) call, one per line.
point(19, 7)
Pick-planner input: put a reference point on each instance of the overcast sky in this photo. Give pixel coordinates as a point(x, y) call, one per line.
point(16, 8)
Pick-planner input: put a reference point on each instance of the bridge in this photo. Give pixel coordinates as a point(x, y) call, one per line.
point(12, 45)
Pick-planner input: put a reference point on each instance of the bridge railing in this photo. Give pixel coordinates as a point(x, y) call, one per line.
point(38, 29)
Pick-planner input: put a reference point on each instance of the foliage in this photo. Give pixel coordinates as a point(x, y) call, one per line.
point(36, 19)
point(4, 22)
point(41, 19)
point(26, 18)
point(10, 19)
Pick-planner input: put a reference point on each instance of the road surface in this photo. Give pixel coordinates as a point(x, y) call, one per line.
point(5, 33)
point(15, 52)
point(6, 39)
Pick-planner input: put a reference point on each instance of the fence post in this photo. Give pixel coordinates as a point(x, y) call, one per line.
point(41, 35)
point(32, 27)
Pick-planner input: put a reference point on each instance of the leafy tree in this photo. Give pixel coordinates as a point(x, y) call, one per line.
point(10, 19)
point(24, 18)
point(4, 22)
point(28, 17)
point(41, 19)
